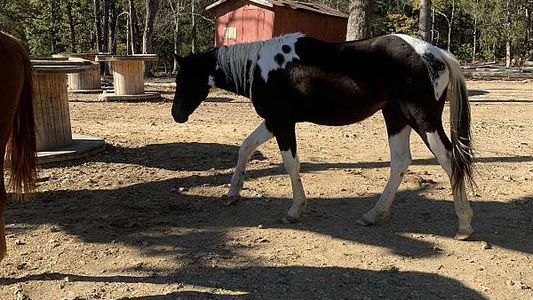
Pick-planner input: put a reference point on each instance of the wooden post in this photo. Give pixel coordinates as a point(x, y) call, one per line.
point(82, 82)
point(52, 116)
point(128, 77)
point(55, 141)
point(50, 103)
point(85, 81)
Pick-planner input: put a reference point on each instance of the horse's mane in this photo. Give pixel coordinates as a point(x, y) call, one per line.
point(238, 61)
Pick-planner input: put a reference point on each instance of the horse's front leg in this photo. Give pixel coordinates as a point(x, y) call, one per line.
point(286, 138)
point(260, 135)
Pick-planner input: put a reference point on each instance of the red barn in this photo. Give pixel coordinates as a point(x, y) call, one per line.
point(240, 21)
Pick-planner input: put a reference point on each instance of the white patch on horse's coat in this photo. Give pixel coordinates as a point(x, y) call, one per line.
point(400, 161)
point(423, 48)
point(292, 165)
point(238, 61)
point(260, 135)
point(268, 52)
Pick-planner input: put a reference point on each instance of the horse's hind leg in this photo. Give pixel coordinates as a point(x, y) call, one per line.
point(428, 124)
point(260, 135)
point(399, 133)
point(3, 199)
point(440, 146)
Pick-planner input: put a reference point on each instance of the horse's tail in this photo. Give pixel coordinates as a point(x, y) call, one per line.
point(462, 154)
point(21, 147)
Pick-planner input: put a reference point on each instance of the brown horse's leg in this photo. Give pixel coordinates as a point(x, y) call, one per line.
point(3, 200)
point(5, 125)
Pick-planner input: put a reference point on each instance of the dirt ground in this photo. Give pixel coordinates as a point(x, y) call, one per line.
point(144, 219)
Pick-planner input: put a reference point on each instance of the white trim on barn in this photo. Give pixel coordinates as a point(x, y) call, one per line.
point(261, 2)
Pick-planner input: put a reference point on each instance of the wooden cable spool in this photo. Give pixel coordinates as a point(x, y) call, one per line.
point(51, 111)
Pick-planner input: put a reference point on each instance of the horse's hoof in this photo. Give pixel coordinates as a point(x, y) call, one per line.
point(230, 200)
point(290, 220)
point(363, 221)
point(3, 254)
point(463, 235)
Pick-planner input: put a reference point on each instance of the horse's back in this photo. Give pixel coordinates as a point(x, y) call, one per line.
point(346, 82)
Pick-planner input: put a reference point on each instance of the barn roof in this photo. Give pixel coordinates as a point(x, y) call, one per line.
point(298, 5)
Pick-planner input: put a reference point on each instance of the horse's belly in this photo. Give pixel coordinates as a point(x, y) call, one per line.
point(334, 114)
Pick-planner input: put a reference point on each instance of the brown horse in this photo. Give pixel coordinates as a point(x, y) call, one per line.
point(17, 127)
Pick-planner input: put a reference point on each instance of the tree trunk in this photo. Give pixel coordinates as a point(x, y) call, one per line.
point(151, 10)
point(508, 37)
point(193, 27)
point(360, 19)
point(176, 34)
point(432, 23)
point(528, 34)
point(494, 51)
point(105, 27)
point(112, 42)
point(71, 28)
point(134, 27)
point(97, 25)
point(450, 26)
point(54, 25)
point(508, 51)
point(424, 23)
point(474, 44)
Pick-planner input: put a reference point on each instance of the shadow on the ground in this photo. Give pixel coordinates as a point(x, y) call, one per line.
point(192, 223)
point(120, 214)
point(206, 156)
point(219, 99)
point(288, 282)
point(501, 101)
point(473, 92)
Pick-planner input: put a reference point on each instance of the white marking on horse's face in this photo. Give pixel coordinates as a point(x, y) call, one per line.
point(267, 55)
point(439, 76)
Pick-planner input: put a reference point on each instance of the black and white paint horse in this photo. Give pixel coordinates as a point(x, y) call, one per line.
point(295, 78)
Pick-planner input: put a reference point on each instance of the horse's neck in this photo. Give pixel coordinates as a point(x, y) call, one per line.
point(238, 63)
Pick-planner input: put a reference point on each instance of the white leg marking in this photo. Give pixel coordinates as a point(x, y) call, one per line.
point(400, 161)
point(260, 135)
point(441, 153)
point(292, 165)
point(462, 207)
point(211, 81)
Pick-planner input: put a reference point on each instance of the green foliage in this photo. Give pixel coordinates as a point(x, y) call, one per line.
point(399, 23)
point(44, 28)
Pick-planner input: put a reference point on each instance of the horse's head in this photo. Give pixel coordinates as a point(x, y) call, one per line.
point(192, 83)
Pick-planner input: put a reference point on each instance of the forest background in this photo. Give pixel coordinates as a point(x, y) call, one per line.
point(474, 30)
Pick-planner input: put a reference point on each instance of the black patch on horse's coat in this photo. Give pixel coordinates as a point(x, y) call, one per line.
point(286, 49)
point(436, 65)
point(279, 59)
